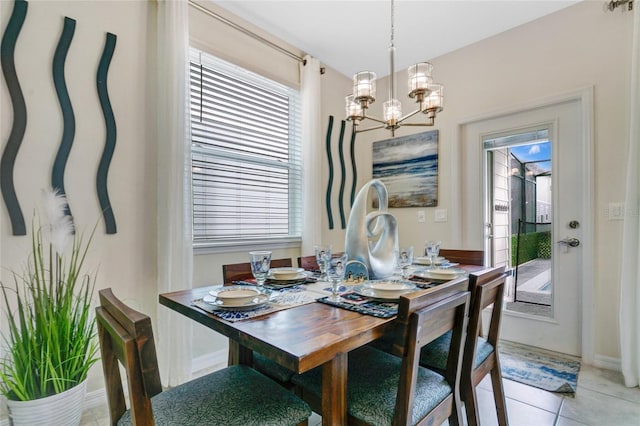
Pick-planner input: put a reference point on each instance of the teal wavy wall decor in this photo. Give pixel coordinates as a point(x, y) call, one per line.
point(68, 118)
point(354, 170)
point(330, 183)
point(110, 139)
point(7, 163)
point(343, 177)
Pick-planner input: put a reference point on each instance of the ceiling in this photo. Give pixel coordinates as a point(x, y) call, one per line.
point(354, 35)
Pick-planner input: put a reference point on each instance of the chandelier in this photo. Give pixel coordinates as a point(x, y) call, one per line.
point(428, 95)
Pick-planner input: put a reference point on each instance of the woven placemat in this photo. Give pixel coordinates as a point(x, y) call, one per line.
point(372, 307)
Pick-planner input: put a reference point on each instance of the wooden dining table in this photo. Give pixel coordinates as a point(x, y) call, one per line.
point(299, 338)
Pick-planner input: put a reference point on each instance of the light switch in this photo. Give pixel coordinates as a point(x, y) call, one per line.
point(421, 216)
point(440, 215)
point(616, 211)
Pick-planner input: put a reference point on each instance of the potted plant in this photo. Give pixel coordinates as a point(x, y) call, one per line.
point(50, 342)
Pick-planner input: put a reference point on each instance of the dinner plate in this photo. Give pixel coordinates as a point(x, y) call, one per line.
point(286, 273)
point(300, 276)
point(440, 273)
point(424, 260)
point(259, 300)
point(385, 289)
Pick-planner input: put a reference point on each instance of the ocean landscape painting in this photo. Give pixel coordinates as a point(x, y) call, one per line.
point(408, 166)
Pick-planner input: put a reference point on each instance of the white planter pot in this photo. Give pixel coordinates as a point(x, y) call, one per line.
point(63, 409)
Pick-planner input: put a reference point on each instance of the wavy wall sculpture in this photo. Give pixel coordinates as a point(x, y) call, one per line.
point(10, 152)
point(330, 182)
point(7, 163)
point(372, 238)
point(68, 118)
point(110, 139)
point(343, 177)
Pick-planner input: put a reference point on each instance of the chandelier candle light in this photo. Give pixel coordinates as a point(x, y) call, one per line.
point(428, 95)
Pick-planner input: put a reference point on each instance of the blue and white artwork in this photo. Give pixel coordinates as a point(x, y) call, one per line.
point(408, 166)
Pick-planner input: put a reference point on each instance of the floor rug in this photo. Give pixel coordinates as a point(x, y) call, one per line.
point(540, 368)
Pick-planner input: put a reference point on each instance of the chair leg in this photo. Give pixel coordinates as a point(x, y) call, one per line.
point(304, 423)
point(498, 395)
point(471, 404)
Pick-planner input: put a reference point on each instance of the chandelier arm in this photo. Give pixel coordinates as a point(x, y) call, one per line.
point(428, 123)
point(369, 128)
point(411, 114)
point(377, 120)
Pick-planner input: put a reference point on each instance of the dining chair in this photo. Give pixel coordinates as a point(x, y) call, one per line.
point(242, 271)
point(464, 257)
point(308, 263)
point(384, 389)
point(481, 356)
point(236, 395)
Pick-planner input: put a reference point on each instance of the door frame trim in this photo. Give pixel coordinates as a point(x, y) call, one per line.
point(585, 97)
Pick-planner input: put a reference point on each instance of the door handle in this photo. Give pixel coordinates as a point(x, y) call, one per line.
point(569, 242)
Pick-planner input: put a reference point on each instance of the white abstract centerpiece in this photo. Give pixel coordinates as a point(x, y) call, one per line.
point(372, 237)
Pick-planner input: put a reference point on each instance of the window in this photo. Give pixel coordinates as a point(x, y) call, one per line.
point(246, 156)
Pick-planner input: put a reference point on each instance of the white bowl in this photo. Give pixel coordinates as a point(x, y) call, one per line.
point(389, 288)
point(236, 295)
point(286, 273)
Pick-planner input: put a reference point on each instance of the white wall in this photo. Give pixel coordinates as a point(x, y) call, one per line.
point(125, 260)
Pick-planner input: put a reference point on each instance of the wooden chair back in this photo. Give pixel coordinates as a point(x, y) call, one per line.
point(308, 263)
point(425, 325)
point(242, 271)
point(488, 289)
point(464, 257)
point(126, 338)
point(394, 340)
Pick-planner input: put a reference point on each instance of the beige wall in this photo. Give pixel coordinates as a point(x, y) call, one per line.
point(576, 47)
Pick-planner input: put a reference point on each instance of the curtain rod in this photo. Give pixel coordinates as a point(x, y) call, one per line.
point(247, 32)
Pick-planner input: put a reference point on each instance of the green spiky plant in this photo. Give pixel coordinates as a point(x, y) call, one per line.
point(50, 343)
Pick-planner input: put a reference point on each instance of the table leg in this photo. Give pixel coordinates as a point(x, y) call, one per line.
point(334, 391)
point(239, 354)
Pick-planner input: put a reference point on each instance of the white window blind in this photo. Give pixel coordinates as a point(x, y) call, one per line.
point(246, 155)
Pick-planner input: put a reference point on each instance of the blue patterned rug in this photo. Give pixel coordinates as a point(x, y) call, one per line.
point(540, 368)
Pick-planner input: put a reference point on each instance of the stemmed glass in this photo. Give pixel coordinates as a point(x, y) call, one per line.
point(432, 249)
point(323, 253)
point(336, 267)
point(260, 265)
point(404, 258)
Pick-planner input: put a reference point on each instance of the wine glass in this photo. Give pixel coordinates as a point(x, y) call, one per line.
point(404, 257)
point(323, 253)
point(260, 265)
point(432, 249)
point(336, 267)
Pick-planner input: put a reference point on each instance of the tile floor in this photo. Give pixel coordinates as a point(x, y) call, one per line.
point(601, 400)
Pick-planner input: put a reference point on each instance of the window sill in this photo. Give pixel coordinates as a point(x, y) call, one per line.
point(245, 245)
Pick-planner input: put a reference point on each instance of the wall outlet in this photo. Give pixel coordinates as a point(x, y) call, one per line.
point(440, 215)
point(421, 216)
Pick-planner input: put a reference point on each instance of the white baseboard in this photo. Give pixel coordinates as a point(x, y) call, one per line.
point(607, 362)
point(211, 361)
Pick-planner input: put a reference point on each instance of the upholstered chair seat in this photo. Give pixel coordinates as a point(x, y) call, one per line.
point(373, 381)
point(435, 354)
point(233, 396)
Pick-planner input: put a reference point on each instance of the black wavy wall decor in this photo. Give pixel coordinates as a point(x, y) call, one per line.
point(68, 118)
point(354, 170)
point(330, 183)
point(7, 50)
point(343, 171)
point(110, 139)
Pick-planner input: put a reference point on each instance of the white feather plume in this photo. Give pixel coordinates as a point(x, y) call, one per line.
point(60, 225)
